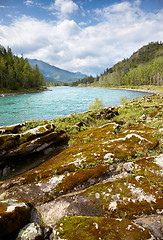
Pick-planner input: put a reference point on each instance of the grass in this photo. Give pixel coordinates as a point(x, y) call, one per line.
point(75, 123)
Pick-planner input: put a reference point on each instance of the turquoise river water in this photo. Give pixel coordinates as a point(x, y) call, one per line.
point(59, 102)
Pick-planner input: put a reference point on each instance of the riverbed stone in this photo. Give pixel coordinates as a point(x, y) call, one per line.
point(31, 231)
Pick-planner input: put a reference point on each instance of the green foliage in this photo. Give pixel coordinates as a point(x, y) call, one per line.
point(71, 142)
point(16, 73)
point(87, 139)
point(97, 105)
point(123, 100)
point(31, 124)
point(85, 81)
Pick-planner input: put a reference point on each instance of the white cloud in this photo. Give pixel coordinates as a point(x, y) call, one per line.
point(64, 7)
point(29, 3)
point(27, 34)
point(1, 6)
point(121, 30)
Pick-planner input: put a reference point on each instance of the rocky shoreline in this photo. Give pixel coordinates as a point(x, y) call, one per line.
point(137, 90)
point(105, 183)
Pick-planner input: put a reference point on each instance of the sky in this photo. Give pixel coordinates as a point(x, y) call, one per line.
point(80, 35)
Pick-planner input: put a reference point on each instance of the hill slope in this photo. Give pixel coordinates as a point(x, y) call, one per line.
point(54, 74)
point(144, 67)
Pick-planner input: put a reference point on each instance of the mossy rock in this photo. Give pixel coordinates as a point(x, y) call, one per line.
point(81, 164)
point(35, 145)
point(12, 129)
point(36, 132)
point(13, 216)
point(95, 228)
point(127, 197)
point(149, 168)
point(36, 141)
point(8, 141)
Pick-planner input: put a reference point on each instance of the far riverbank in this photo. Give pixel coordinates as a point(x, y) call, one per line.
point(23, 92)
point(137, 90)
point(146, 88)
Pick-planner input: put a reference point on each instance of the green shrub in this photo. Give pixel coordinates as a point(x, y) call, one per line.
point(97, 105)
point(123, 100)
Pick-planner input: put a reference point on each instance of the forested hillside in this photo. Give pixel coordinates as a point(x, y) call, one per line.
point(144, 67)
point(16, 73)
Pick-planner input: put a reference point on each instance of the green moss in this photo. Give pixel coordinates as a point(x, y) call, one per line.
point(80, 178)
point(95, 228)
point(90, 159)
point(151, 171)
point(128, 196)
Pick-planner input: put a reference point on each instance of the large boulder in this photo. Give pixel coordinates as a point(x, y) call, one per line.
point(14, 215)
point(125, 195)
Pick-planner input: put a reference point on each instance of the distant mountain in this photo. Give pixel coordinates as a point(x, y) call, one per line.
point(54, 74)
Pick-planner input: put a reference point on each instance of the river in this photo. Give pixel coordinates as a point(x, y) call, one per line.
point(59, 102)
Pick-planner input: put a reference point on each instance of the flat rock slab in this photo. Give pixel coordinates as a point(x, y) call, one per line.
point(98, 228)
point(121, 196)
point(27, 142)
point(153, 223)
point(95, 155)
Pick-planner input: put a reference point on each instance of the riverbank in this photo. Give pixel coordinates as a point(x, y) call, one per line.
point(137, 90)
point(144, 88)
point(4, 94)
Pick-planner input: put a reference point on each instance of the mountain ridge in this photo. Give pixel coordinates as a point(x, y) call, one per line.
point(54, 74)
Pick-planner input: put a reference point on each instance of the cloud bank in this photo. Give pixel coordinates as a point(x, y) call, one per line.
point(118, 31)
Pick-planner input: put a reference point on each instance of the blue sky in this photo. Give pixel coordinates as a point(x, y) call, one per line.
point(87, 36)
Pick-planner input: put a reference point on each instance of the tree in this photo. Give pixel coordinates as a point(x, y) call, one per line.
point(16, 72)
